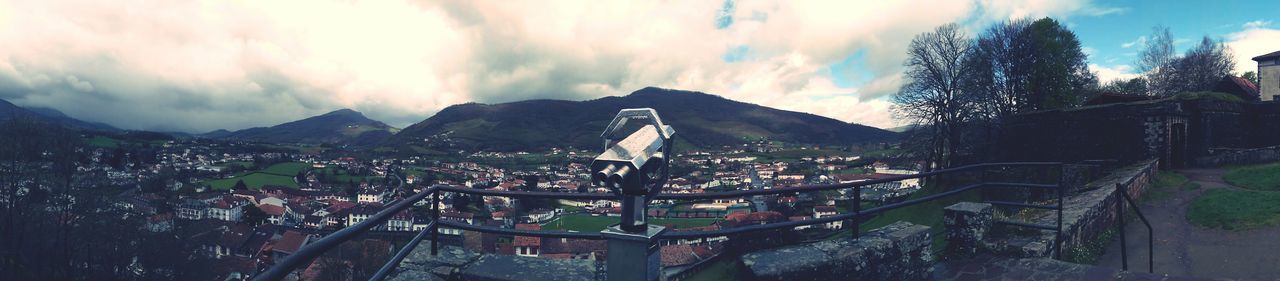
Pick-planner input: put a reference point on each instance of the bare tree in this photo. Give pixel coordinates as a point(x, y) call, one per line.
point(933, 96)
point(1157, 51)
point(1000, 68)
point(1154, 59)
point(1202, 67)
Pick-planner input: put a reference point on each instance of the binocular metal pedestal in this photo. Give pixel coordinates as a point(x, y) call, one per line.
point(634, 256)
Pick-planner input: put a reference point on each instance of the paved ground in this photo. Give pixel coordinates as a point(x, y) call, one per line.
point(993, 268)
point(1183, 249)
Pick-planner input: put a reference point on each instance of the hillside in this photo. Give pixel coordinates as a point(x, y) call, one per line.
point(340, 126)
point(700, 119)
point(48, 115)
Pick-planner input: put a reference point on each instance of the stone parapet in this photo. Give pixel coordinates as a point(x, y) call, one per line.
point(899, 251)
point(454, 263)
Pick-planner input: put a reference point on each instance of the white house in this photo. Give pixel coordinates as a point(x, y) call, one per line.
point(227, 208)
point(1268, 75)
point(827, 211)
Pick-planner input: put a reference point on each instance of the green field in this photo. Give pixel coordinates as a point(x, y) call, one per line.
point(793, 155)
point(588, 223)
point(253, 181)
point(1235, 209)
point(105, 142)
point(338, 176)
point(287, 168)
point(1258, 177)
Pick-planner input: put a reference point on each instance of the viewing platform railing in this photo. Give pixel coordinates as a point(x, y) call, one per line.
point(312, 251)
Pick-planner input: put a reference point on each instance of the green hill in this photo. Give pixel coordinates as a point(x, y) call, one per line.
point(700, 119)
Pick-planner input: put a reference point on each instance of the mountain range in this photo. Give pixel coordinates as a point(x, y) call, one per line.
point(700, 119)
point(48, 115)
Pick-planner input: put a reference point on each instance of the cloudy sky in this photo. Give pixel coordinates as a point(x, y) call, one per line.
point(196, 66)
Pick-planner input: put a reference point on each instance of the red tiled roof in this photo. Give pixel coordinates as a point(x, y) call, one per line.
point(527, 241)
point(290, 242)
point(825, 209)
point(680, 254)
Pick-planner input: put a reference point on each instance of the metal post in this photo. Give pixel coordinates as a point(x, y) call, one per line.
point(1057, 243)
point(435, 223)
point(1124, 249)
point(857, 212)
point(634, 256)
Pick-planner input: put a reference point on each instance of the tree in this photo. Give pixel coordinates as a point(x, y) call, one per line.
point(1060, 70)
point(1000, 69)
point(239, 185)
point(253, 215)
point(1251, 76)
point(461, 202)
point(932, 96)
point(1202, 67)
point(1198, 70)
point(1134, 87)
point(1154, 59)
point(1157, 50)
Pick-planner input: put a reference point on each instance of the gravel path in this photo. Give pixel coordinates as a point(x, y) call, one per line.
point(1183, 249)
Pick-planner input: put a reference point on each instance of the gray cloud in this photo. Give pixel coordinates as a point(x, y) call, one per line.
point(196, 67)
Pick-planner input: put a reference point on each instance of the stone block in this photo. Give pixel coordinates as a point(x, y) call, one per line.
point(899, 251)
point(513, 268)
point(967, 224)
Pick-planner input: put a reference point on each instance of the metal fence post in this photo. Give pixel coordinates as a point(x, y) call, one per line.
point(1062, 187)
point(856, 226)
point(435, 218)
point(1124, 249)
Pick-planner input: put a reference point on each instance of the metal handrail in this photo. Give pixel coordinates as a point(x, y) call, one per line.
point(1124, 250)
point(314, 250)
point(413, 243)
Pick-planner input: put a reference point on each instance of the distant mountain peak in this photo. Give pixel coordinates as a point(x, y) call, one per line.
point(344, 112)
point(338, 126)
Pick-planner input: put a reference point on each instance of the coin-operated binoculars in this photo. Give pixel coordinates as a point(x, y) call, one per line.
point(635, 168)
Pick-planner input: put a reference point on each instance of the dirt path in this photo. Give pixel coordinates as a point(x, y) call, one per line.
point(1183, 249)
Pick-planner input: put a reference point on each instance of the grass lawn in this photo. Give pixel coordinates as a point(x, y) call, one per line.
point(1259, 177)
point(339, 176)
point(254, 181)
point(286, 169)
point(588, 223)
point(1167, 183)
point(1235, 209)
point(105, 142)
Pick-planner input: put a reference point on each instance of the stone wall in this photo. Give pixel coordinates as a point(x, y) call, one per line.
point(1228, 156)
point(899, 251)
point(1085, 217)
point(1175, 131)
point(1125, 132)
